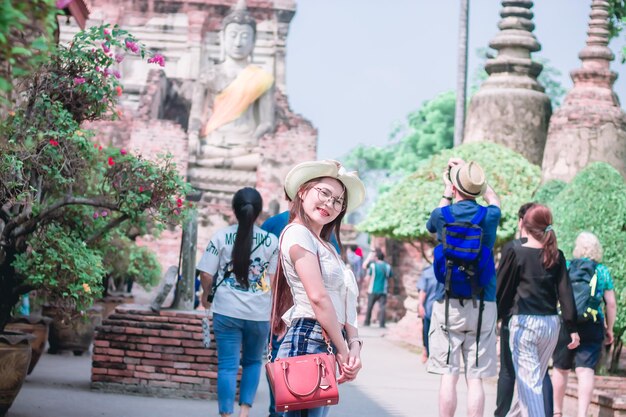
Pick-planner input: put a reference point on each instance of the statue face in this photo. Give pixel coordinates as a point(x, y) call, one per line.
point(238, 40)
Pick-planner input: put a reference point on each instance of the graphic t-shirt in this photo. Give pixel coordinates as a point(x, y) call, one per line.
point(231, 299)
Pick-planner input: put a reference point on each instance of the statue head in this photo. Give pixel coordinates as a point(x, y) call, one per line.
point(239, 32)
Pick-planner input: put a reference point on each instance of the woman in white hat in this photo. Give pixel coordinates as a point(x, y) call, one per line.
point(314, 294)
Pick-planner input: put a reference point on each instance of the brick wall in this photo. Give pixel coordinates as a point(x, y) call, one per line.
point(161, 354)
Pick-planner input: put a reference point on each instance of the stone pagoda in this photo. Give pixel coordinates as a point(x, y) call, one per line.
point(511, 107)
point(590, 125)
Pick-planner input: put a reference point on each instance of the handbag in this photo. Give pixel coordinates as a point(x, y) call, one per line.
point(302, 382)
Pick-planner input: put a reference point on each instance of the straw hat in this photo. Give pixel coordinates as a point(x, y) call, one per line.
point(306, 171)
point(469, 179)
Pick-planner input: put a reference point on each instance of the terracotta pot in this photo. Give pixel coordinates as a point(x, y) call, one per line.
point(75, 334)
point(15, 352)
point(38, 327)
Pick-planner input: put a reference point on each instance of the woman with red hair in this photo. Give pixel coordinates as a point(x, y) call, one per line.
point(532, 279)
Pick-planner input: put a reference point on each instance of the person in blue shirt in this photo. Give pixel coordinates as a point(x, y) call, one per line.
point(464, 183)
point(427, 286)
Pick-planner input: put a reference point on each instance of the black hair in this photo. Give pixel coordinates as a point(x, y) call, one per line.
point(524, 208)
point(380, 255)
point(247, 204)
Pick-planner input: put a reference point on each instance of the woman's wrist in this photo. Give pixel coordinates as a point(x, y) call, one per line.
point(355, 342)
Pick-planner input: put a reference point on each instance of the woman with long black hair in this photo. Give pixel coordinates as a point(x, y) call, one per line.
point(235, 270)
point(532, 278)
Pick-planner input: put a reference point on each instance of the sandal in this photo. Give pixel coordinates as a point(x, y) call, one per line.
point(557, 414)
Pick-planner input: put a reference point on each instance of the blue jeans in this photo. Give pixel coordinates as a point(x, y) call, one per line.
point(238, 341)
point(304, 337)
point(425, 331)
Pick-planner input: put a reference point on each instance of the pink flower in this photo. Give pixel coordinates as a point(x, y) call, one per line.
point(140, 189)
point(106, 72)
point(97, 68)
point(132, 46)
point(95, 215)
point(118, 90)
point(111, 161)
point(104, 213)
point(53, 142)
point(179, 202)
point(62, 4)
point(107, 31)
point(123, 151)
point(117, 74)
point(157, 59)
point(119, 58)
point(106, 48)
point(79, 80)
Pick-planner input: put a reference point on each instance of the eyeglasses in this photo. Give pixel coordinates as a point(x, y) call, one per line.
point(324, 196)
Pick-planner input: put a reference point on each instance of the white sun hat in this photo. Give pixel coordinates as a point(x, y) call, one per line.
point(307, 171)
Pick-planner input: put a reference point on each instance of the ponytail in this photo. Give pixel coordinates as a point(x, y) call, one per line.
point(538, 223)
point(247, 204)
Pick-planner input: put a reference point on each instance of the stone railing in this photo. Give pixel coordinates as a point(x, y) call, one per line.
point(608, 398)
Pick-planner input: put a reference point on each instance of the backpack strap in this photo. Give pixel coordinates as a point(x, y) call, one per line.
point(447, 214)
point(480, 215)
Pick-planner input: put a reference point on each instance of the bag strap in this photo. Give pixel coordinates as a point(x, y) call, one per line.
point(480, 215)
point(281, 268)
point(447, 214)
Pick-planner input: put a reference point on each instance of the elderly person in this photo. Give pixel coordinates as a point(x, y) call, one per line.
point(589, 276)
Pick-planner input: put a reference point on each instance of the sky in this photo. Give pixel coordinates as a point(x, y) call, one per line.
point(357, 67)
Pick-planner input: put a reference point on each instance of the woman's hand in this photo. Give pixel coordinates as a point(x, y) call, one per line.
point(352, 367)
point(575, 341)
point(341, 357)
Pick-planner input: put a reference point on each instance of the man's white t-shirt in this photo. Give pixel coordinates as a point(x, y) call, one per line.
point(231, 299)
point(338, 278)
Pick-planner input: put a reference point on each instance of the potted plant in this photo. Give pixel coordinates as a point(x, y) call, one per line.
point(60, 193)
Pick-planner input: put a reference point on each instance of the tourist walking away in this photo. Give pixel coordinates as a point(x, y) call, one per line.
point(592, 284)
point(464, 316)
point(379, 273)
point(533, 279)
point(427, 287)
point(506, 376)
point(313, 304)
point(235, 273)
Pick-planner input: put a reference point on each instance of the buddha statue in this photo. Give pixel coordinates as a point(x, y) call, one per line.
point(237, 105)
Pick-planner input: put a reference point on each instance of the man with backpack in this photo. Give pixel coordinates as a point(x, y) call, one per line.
point(464, 317)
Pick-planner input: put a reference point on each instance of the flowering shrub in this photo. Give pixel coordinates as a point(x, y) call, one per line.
point(60, 193)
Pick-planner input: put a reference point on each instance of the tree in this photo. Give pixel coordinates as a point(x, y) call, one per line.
point(60, 193)
point(424, 133)
point(402, 212)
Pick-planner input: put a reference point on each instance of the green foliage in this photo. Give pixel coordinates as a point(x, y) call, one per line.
point(60, 265)
point(425, 132)
point(549, 191)
point(60, 193)
point(595, 201)
point(26, 32)
point(617, 17)
point(124, 260)
point(403, 211)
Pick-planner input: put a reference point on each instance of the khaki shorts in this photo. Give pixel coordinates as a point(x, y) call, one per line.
point(461, 339)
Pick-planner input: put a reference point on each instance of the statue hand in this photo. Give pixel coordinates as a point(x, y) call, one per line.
point(262, 129)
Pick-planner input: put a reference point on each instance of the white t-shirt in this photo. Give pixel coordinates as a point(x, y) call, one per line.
point(231, 299)
point(338, 279)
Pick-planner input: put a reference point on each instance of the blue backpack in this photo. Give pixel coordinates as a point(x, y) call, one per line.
point(463, 264)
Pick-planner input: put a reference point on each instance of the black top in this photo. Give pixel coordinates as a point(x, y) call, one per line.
point(524, 286)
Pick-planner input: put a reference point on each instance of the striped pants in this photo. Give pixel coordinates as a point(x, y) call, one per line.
point(532, 340)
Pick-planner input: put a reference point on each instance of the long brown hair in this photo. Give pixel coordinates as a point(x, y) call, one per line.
point(283, 299)
point(536, 221)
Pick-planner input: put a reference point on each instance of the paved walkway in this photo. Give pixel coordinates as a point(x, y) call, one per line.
point(393, 383)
